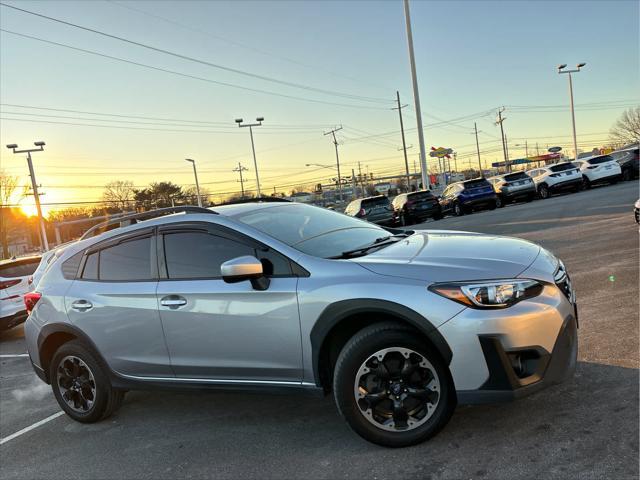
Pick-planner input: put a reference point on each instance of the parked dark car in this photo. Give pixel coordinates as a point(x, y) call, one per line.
point(373, 209)
point(628, 161)
point(416, 207)
point(464, 197)
point(512, 187)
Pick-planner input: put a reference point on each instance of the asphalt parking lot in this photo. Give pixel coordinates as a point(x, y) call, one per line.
point(584, 428)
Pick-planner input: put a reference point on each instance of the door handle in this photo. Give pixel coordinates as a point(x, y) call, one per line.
point(173, 301)
point(81, 305)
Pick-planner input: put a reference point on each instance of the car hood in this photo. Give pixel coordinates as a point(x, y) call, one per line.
point(447, 256)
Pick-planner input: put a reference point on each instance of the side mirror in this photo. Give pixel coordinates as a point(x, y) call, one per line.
point(245, 268)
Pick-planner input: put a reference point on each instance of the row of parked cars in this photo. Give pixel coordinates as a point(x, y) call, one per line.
point(489, 193)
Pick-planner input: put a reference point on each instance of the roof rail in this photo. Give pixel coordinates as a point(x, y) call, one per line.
point(257, 200)
point(126, 220)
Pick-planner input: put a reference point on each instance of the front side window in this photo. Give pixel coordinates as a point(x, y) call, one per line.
point(200, 254)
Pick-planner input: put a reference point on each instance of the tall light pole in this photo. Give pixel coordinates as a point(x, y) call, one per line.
point(43, 232)
point(258, 123)
point(335, 143)
point(561, 69)
point(416, 97)
point(195, 174)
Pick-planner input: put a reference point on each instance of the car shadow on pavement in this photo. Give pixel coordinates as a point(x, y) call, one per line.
point(586, 427)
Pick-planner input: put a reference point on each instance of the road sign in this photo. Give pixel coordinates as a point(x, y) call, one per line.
point(555, 149)
point(440, 152)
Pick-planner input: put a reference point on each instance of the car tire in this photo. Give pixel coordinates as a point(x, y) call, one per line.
point(79, 377)
point(543, 192)
point(626, 175)
point(403, 220)
point(499, 202)
point(458, 211)
point(392, 341)
point(586, 184)
point(437, 215)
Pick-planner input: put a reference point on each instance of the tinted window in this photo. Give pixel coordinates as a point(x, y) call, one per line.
point(126, 261)
point(70, 266)
point(19, 268)
point(513, 177)
point(561, 167)
point(375, 202)
point(419, 196)
point(598, 160)
point(90, 271)
point(479, 182)
point(199, 254)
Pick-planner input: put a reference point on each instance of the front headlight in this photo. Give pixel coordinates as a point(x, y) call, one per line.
point(490, 294)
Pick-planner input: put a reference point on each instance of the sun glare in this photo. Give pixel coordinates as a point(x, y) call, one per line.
point(29, 210)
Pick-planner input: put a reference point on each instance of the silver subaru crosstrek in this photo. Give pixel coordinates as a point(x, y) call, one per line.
point(400, 325)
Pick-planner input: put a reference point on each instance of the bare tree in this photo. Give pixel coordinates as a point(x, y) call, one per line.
point(119, 194)
point(8, 185)
point(627, 129)
point(190, 195)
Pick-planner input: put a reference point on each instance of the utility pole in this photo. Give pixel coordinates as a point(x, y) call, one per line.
point(335, 143)
point(526, 149)
point(573, 115)
point(259, 121)
point(455, 161)
point(416, 97)
point(195, 174)
point(537, 149)
point(504, 146)
point(240, 169)
point(34, 185)
point(404, 145)
point(361, 179)
point(475, 127)
point(354, 195)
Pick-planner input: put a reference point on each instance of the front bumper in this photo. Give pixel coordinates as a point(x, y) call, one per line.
point(504, 354)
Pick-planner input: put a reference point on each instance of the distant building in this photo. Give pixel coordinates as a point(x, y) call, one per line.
point(302, 197)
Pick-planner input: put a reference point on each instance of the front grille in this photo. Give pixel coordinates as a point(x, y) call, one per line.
point(563, 282)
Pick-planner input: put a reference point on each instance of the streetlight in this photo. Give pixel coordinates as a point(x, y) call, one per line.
point(330, 167)
point(34, 185)
point(561, 69)
point(259, 121)
point(195, 174)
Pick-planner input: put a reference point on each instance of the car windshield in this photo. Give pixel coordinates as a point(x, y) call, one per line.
point(598, 160)
point(313, 230)
point(419, 196)
point(375, 202)
point(561, 167)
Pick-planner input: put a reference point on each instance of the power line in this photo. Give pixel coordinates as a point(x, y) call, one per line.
point(186, 75)
point(200, 61)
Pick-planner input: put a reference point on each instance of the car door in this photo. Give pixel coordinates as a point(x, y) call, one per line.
point(222, 331)
point(113, 301)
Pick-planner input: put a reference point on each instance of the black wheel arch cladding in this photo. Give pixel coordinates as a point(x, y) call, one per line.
point(341, 311)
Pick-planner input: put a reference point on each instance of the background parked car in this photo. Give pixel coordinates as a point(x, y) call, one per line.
point(628, 160)
point(14, 283)
point(512, 187)
point(463, 197)
point(600, 169)
point(373, 209)
point(45, 261)
point(556, 178)
point(416, 207)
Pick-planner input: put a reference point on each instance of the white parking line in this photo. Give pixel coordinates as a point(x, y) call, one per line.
point(30, 427)
point(17, 355)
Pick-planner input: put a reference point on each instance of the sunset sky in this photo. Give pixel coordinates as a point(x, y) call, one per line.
point(104, 119)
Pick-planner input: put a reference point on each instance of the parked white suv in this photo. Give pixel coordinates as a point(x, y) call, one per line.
point(14, 283)
point(599, 169)
point(555, 178)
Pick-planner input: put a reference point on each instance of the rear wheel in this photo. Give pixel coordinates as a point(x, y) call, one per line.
point(499, 202)
point(626, 175)
point(391, 388)
point(543, 191)
point(457, 210)
point(81, 385)
point(586, 184)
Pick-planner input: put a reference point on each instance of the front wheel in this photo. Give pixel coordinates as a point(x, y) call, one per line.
point(81, 385)
point(499, 202)
point(543, 191)
point(457, 210)
point(586, 184)
point(391, 388)
point(626, 175)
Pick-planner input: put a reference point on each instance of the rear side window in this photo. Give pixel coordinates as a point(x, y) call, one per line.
point(19, 268)
point(599, 160)
point(126, 261)
point(200, 254)
point(71, 265)
point(419, 196)
point(375, 202)
point(561, 167)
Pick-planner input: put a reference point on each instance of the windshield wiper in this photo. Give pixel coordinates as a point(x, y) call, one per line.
point(378, 242)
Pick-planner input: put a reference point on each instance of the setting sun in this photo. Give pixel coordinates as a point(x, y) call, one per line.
point(29, 210)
